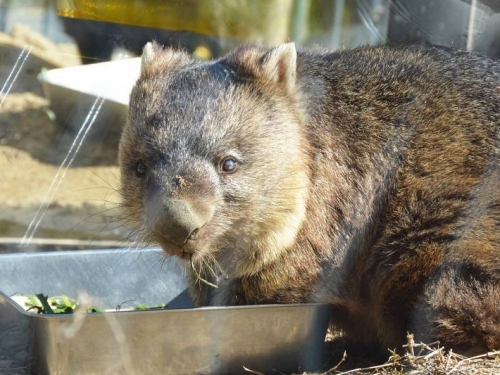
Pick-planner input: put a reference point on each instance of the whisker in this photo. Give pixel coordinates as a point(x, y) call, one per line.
point(198, 276)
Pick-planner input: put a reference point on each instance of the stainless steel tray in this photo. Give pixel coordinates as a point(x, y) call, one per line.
point(179, 340)
point(73, 90)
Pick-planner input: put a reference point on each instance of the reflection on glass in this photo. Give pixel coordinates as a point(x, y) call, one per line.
point(58, 139)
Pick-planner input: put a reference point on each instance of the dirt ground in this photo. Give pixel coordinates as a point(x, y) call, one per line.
point(33, 145)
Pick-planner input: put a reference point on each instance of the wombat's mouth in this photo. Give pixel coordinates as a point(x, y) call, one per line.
point(190, 250)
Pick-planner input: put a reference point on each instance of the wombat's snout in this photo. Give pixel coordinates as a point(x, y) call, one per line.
point(177, 221)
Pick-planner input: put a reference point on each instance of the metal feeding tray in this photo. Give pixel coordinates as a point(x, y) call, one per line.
point(96, 95)
point(177, 340)
point(69, 87)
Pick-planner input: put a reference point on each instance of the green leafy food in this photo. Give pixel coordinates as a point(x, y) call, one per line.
point(42, 304)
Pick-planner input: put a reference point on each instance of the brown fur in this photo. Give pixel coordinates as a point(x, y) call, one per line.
point(367, 179)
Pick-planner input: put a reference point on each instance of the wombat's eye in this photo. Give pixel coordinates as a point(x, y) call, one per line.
point(229, 165)
point(140, 169)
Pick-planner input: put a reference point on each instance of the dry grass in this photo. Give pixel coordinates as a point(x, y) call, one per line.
point(419, 359)
point(428, 359)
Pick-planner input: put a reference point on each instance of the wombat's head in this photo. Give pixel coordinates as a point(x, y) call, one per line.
point(213, 162)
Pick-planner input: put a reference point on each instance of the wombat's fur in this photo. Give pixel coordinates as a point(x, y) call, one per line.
point(368, 179)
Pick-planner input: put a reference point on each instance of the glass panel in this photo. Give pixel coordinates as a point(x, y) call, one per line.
point(58, 139)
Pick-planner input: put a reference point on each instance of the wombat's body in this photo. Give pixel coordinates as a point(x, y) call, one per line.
point(368, 179)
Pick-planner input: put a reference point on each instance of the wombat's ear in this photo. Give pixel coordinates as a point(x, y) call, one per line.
point(280, 65)
point(150, 50)
point(155, 59)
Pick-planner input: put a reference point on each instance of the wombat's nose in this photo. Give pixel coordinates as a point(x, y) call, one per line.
point(176, 221)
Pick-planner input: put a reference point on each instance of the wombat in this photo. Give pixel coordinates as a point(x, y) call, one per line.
point(367, 179)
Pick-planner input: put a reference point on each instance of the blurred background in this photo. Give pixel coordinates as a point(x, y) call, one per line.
point(67, 66)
